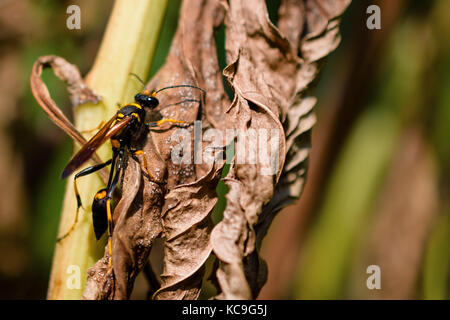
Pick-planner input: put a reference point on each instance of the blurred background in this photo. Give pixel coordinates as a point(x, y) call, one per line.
point(378, 188)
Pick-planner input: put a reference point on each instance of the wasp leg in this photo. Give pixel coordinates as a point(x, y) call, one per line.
point(82, 173)
point(110, 230)
point(112, 184)
point(102, 123)
point(160, 122)
point(134, 155)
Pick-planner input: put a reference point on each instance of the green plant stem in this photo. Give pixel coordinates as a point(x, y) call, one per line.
point(128, 46)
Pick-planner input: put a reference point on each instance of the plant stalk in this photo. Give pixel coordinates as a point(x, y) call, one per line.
point(128, 46)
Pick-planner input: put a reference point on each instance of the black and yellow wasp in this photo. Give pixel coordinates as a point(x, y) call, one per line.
point(124, 130)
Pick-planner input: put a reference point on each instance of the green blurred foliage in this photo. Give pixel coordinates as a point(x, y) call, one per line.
point(167, 33)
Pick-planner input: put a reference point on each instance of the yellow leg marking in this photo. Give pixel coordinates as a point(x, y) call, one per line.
point(144, 160)
point(134, 114)
point(160, 122)
point(108, 214)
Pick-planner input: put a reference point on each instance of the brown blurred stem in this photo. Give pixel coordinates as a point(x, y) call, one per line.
point(358, 64)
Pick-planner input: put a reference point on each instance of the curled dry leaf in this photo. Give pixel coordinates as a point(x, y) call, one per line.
point(79, 93)
point(320, 37)
point(321, 23)
point(271, 73)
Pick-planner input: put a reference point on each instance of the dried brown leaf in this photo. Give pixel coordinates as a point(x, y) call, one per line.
point(320, 37)
point(79, 93)
point(271, 78)
point(190, 199)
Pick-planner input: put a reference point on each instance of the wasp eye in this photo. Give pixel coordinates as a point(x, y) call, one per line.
point(152, 102)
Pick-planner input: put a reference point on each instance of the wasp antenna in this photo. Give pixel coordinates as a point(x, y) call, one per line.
point(182, 86)
point(185, 86)
point(137, 77)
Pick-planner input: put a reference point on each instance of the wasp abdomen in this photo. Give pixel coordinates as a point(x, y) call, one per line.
point(99, 215)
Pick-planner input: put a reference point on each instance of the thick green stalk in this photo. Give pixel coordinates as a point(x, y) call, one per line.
point(128, 46)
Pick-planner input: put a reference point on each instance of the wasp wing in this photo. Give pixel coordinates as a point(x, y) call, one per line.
point(86, 152)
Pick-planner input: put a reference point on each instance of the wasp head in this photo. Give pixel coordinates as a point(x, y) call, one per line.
point(146, 99)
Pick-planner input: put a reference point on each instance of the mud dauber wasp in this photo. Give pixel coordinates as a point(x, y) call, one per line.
point(124, 129)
